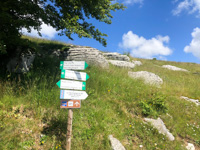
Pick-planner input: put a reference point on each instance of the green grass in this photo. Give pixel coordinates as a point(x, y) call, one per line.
point(31, 118)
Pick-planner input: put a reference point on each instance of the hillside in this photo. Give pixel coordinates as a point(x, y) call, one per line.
point(117, 105)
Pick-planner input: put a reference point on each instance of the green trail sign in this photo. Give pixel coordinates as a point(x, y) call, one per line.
point(74, 85)
point(73, 65)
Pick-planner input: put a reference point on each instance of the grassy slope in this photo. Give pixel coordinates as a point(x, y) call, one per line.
point(30, 116)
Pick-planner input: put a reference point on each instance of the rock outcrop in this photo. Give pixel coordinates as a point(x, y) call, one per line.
point(148, 77)
point(174, 68)
point(123, 64)
point(90, 55)
point(116, 56)
point(196, 101)
point(115, 143)
point(160, 126)
point(21, 64)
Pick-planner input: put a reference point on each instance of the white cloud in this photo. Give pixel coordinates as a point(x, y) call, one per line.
point(145, 48)
point(190, 6)
point(46, 31)
point(128, 2)
point(194, 46)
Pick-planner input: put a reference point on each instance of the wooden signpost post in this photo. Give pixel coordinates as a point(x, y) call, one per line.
point(68, 97)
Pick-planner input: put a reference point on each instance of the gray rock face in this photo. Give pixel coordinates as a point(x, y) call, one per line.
point(148, 77)
point(196, 101)
point(22, 64)
point(123, 64)
point(160, 126)
point(90, 55)
point(115, 144)
point(174, 68)
point(116, 56)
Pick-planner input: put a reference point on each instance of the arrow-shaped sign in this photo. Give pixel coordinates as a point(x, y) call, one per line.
point(67, 94)
point(73, 65)
point(77, 104)
point(68, 74)
point(67, 84)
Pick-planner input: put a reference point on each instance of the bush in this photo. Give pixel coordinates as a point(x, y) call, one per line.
point(154, 105)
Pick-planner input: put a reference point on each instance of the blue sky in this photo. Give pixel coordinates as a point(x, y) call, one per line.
point(163, 29)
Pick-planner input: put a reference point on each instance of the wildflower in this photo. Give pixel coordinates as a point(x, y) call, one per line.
point(155, 144)
point(130, 125)
point(56, 147)
point(108, 90)
point(141, 146)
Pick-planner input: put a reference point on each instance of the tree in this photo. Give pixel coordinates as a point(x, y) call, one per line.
point(66, 16)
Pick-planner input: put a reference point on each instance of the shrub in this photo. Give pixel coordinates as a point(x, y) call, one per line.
point(154, 105)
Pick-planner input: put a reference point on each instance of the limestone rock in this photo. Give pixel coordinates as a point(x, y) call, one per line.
point(21, 64)
point(190, 146)
point(124, 64)
point(196, 101)
point(116, 56)
point(174, 68)
point(160, 126)
point(138, 63)
point(148, 77)
point(115, 143)
point(90, 55)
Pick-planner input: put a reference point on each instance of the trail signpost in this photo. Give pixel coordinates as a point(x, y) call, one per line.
point(68, 97)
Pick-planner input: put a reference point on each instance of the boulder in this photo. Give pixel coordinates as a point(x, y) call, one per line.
point(190, 146)
point(138, 63)
point(174, 68)
point(160, 126)
point(148, 77)
point(196, 101)
point(21, 64)
point(90, 55)
point(116, 56)
point(115, 143)
point(123, 64)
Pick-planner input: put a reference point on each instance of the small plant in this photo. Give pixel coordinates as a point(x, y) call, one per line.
point(147, 109)
point(127, 53)
point(43, 139)
point(198, 142)
point(65, 48)
point(27, 144)
point(2, 48)
point(158, 103)
point(154, 105)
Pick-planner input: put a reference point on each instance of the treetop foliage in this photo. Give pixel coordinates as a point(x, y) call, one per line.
point(66, 16)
